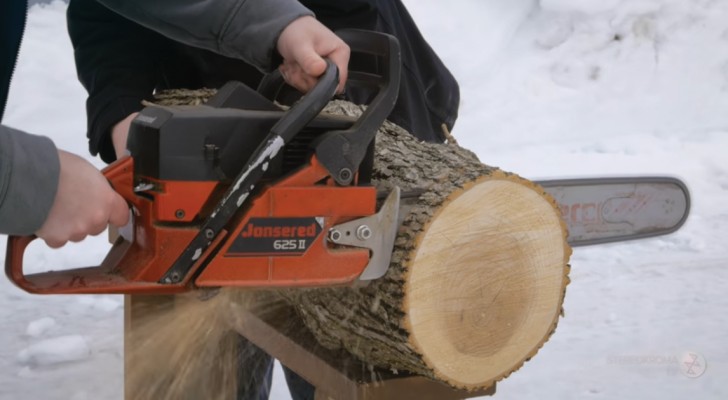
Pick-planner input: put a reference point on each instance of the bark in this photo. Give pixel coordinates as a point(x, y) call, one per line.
point(375, 323)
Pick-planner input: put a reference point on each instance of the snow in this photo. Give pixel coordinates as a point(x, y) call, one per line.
point(58, 350)
point(550, 88)
point(40, 327)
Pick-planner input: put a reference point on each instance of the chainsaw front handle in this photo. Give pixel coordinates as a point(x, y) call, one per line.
point(342, 152)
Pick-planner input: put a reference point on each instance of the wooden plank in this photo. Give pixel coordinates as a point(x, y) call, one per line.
point(333, 373)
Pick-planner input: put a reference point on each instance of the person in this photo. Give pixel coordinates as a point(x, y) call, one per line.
point(121, 63)
point(59, 196)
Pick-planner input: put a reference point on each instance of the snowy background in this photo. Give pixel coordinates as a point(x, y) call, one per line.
point(550, 88)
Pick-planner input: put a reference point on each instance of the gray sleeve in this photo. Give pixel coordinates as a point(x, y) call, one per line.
point(243, 29)
point(29, 171)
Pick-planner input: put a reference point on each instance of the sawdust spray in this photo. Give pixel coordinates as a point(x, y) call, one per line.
point(185, 348)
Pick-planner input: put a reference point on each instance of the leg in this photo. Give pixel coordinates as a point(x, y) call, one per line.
point(300, 388)
point(255, 372)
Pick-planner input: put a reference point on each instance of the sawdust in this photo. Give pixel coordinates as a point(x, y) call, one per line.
point(187, 350)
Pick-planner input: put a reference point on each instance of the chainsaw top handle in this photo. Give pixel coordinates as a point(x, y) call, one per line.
point(342, 151)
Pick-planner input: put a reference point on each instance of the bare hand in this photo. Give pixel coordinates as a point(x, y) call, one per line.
point(119, 134)
point(303, 44)
point(85, 203)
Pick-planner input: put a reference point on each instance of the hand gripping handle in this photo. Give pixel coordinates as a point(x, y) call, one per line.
point(120, 175)
point(342, 152)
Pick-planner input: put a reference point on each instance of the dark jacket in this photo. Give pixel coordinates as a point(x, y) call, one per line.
point(12, 24)
point(29, 166)
point(120, 63)
point(429, 95)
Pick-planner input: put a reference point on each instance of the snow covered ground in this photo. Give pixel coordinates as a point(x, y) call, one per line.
point(550, 88)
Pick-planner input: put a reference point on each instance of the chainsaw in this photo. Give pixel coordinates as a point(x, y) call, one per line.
point(205, 201)
point(299, 210)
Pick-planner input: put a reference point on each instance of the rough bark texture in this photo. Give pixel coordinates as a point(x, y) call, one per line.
point(371, 322)
point(367, 321)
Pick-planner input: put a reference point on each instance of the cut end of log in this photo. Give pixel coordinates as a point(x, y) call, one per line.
point(486, 286)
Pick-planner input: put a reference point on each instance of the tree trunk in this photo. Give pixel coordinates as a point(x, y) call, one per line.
point(477, 277)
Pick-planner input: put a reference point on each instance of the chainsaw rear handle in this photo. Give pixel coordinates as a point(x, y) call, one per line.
point(342, 152)
point(120, 175)
point(14, 261)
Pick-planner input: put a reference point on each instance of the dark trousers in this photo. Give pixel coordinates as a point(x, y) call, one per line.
point(255, 375)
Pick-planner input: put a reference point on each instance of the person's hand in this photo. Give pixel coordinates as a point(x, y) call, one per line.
point(303, 44)
point(85, 203)
point(119, 134)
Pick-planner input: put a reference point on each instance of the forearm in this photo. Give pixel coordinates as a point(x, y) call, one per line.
point(116, 62)
point(29, 171)
point(227, 27)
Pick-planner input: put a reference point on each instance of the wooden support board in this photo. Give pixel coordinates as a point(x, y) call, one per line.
point(333, 377)
point(334, 374)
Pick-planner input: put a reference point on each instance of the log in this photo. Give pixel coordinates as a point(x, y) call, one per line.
point(477, 278)
point(478, 273)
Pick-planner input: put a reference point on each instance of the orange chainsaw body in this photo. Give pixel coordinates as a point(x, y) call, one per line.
point(241, 192)
point(137, 266)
